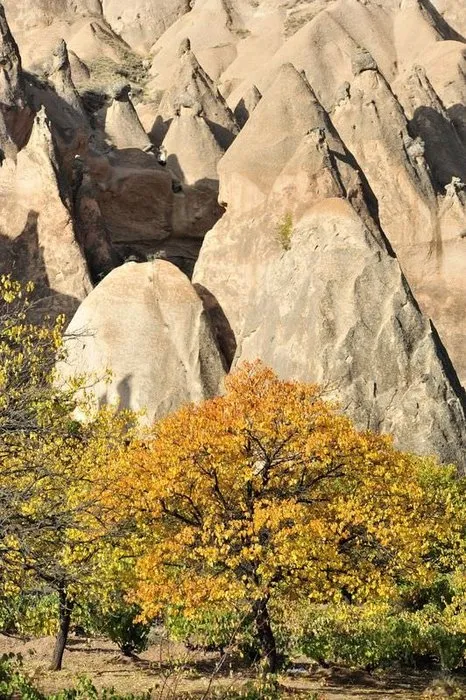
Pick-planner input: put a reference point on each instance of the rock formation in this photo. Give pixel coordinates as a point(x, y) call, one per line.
point(309, 284)
point(142, 22)
point(193, 88)
point(122, 123)
point(147, 325)
point(304, 162)
point(35, 219)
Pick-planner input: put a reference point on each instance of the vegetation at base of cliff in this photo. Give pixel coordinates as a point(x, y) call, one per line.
point(284, 232)
point(218, 519)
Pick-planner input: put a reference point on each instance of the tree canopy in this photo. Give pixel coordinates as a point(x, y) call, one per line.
point(269, 491)
point(55, 531)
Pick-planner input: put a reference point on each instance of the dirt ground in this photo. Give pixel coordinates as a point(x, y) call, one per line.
point(171, 671)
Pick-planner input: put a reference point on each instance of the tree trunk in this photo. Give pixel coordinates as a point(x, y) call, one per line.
point(65, 610)
point(265, 636)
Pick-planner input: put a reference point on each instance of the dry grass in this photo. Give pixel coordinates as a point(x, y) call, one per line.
point(171, 671)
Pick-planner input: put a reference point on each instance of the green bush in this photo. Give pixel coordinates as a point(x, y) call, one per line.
point(382, 638)
point(220, 630)
point(36, 614)
point(209, 630)
point(120, 625)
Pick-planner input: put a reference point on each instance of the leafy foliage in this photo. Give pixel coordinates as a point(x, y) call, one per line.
point(382, 637)
point(31, 613)
point(55, 531)
point(120, 624)
point(263, 500)
point(268, 492)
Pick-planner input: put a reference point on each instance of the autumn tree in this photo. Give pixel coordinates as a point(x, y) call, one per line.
point(267, 493)
point(55, 531)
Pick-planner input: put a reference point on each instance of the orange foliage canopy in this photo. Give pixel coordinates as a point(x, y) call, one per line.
point(269, 490)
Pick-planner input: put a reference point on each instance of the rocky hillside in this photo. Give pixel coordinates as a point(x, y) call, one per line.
point(198, 182)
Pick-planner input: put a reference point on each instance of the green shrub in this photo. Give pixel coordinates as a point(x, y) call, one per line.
point(120, 625)
point(221, 630)
point(382, 638)
point(284, 231)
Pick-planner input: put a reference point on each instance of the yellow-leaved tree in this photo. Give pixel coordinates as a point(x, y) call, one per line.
point(56, 534)
point(268, 492)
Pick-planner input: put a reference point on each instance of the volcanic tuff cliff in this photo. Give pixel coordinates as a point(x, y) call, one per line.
point(290, 173)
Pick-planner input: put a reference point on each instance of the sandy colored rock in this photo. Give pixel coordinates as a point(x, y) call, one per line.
point(142, 205)
point(35, 218)
point(269, 138)
point(142, 22)
point(122, 123)
point(193, 88)
point(410, 188)
point(308, 283)
point(351, 151)
point(247, 105)
point(336, 309)
point(142, 319)
point(192, 151)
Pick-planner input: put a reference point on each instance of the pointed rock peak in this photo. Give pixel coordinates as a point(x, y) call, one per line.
point(11, 93)
point(421, 91)
point(79, 70)
point(122, 123)
point(431, 16)
point(419, 74)
point(362, 60)
point(8, 45)
point(290, 85)
point(193, 88)
point(286, 112)
point(247, 105)
point(60, 57)
point(288, 71)
point(41, 122)
point(192, 151)
point(63, 103)
point(41, 139)
point(60, 73)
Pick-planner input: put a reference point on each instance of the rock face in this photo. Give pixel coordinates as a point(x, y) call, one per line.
point(193, 88)
point(36, 225)
point(142, 22)
point(192, 152)
point(122, 123)
point(306, 159)
point(310, 285)
point(147, 325)
point(336, 309)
